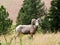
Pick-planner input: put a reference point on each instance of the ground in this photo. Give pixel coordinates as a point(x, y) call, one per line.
point(38, 39)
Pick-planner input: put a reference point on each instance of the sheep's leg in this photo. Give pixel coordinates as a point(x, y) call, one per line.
point(31, 33)
point(31, 36)
point(16, 35)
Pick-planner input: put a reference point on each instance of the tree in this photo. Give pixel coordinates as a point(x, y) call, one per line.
point(30, 9)
point(45, 25)
point(5, 22)
point(55, 15)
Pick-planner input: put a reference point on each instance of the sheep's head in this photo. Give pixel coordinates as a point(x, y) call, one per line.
point(37, 21)
point(33, 21)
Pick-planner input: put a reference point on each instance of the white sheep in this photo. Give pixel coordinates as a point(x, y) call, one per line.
point(28, 29)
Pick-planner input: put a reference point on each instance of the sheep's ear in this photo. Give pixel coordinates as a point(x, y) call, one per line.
point(33, 19)
point(39, 19)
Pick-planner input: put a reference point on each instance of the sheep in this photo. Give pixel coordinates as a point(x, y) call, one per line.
point(28, 29)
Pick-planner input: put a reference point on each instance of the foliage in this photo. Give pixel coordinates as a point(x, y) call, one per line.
point(20, 39)
point(45, 25)
point(12, 29)
point(54, 15)
point(5, 22)
point(52, 20)
point(30, 9)
point(58, 43)
point(0, 43)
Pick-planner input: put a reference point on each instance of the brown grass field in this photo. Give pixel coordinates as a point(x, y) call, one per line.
point(38, 39)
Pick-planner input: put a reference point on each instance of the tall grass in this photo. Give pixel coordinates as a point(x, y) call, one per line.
point(20, 41)
point(58, 43)
point(0, 43)
point(21, 35)
point(6, 41)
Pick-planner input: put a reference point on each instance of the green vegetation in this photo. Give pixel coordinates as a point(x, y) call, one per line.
point(0, 43)
point(58, 43)
point(5, 22)
point(52, 20)
point(54, 15)
point(30, 9)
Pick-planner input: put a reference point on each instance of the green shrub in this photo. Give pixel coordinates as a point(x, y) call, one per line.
point(5, 22)
point(30, 9)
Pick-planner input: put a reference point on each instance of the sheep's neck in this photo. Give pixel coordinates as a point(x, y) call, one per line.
point(35, 27)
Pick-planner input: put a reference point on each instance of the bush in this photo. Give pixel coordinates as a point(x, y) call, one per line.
point(30, 9)
point(5, 22)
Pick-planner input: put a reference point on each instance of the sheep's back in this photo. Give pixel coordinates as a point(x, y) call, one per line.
point(23, 28)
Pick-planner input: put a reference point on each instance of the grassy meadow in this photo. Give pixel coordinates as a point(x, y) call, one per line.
point(38, 39)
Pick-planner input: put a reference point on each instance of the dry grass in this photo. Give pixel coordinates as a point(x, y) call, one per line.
point(38, 39)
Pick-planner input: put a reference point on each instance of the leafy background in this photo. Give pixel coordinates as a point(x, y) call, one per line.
point(13, 6)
